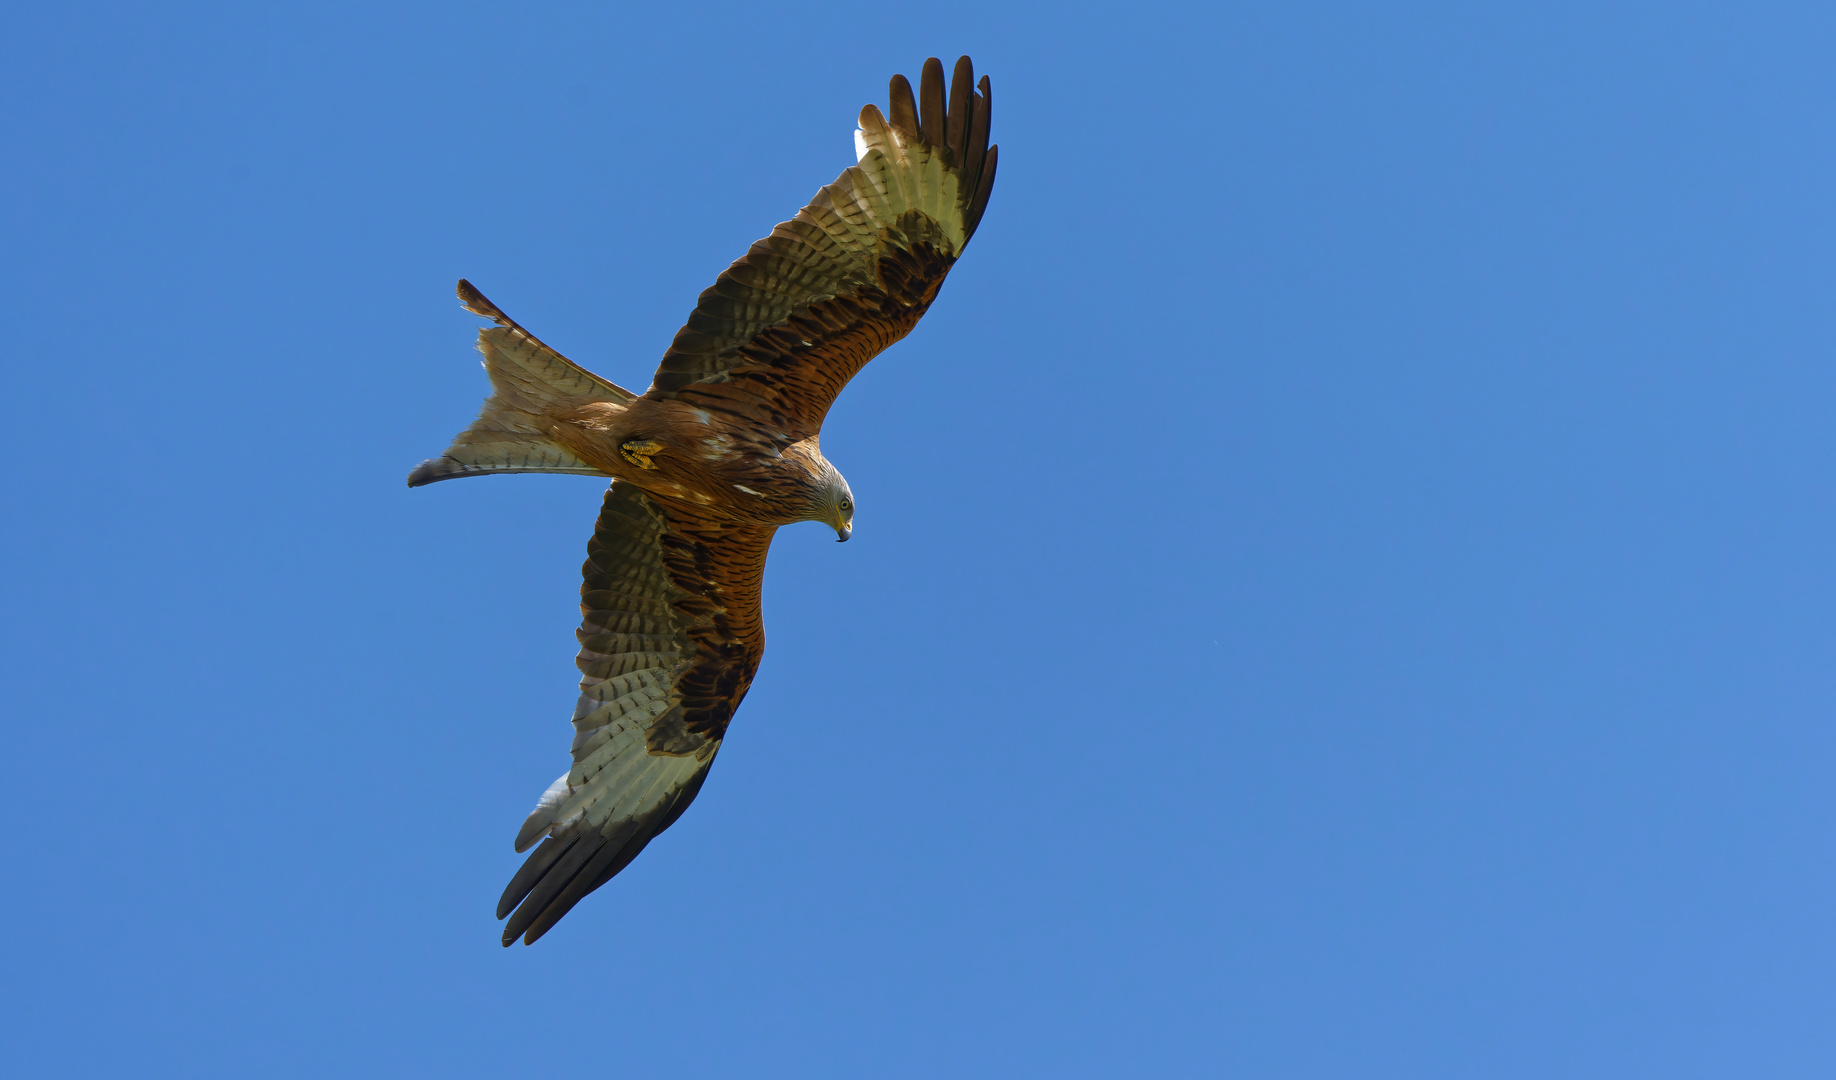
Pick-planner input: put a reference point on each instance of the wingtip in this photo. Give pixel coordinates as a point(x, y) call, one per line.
point(984, 187)
point(962, 78)
point(902, 108)
point(528, 937)
point(931, 119)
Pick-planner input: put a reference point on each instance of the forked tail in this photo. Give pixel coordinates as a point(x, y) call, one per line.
point(528, 380)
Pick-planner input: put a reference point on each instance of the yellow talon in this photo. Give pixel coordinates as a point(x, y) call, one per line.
point(638, 452)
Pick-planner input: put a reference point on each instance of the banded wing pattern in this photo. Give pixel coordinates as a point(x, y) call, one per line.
point(671, 633)
point(670, 638)
point(784, 328)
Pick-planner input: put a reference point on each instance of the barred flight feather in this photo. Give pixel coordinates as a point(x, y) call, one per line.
point(671, 631)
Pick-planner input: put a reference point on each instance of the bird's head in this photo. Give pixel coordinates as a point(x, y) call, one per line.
point(837, 507)
point(828, 499)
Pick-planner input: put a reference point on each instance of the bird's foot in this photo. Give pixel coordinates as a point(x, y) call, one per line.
point(638, 452)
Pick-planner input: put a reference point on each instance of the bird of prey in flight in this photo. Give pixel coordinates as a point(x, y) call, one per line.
point(707, 464)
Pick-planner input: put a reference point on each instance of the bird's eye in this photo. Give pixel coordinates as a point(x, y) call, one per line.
point(847, 505)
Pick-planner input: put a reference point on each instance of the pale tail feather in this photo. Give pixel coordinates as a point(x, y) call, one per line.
point(527, 378)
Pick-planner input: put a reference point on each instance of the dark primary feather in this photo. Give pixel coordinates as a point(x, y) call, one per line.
point(902, 105)
point(671, 633)
point(861, 278)
point(931, 102)
point(670, 637)
point(961, 101)
point(978, 156)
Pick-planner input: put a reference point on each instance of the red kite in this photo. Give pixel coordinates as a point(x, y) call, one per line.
point(707, 464)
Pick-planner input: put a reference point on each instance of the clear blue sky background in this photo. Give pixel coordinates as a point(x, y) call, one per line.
point(1343, 584)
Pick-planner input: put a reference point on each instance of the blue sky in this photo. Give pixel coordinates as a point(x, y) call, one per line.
point(1342, 584)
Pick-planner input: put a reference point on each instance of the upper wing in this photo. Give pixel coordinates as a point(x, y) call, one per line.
point(785, 328)
point(670, 637)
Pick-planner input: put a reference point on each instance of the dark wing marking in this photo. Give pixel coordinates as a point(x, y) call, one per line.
point(783, 329)
point(670, 638)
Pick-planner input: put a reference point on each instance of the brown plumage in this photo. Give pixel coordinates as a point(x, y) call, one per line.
point(707, 464)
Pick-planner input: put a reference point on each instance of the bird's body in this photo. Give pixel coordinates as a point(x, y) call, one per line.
point(706, 465)
point(693, 457)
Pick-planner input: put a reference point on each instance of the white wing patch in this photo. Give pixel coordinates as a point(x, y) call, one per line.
point(615, 777)
point(904, 176)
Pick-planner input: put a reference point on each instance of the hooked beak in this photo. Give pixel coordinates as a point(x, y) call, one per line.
point(842, 533)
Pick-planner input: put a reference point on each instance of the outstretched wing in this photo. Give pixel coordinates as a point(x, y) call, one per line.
point(783, 329)
point(670, 637)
